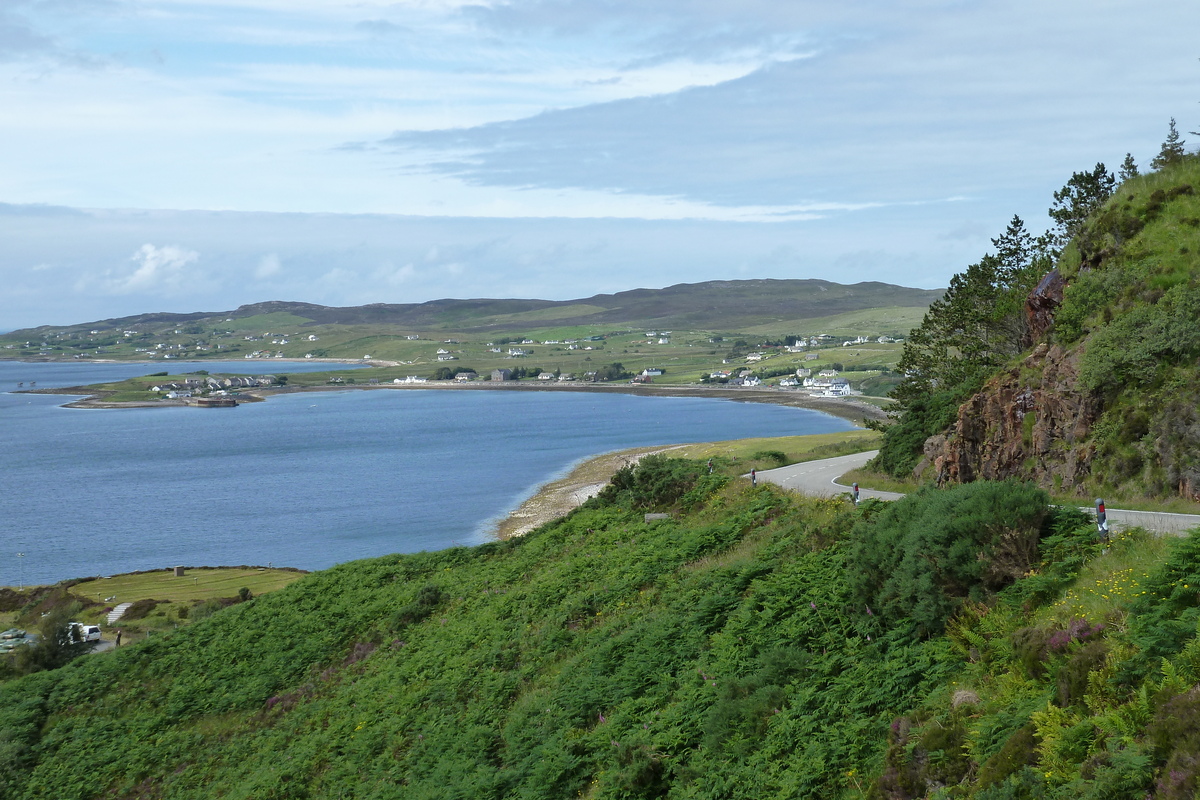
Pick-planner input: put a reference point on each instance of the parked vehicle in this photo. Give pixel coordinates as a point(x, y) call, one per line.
point(85, 633)
point(13, 638)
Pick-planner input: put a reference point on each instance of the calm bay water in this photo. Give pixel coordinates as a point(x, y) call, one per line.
point(305, 480)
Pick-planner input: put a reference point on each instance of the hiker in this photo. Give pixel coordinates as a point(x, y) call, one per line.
point(118, 637)
point(710, 466)
point(754, 477)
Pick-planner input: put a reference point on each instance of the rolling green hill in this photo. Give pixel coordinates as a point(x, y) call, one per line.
point(712, 306)
point(690, 331)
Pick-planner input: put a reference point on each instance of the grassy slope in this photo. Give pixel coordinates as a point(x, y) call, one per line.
point(718, 654)
point(1131, 311)
point(592, 657)
point(770, 308)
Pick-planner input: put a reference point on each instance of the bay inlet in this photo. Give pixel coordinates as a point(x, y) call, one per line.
point(305, 480)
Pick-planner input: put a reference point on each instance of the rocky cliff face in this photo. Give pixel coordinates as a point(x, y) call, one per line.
point(1030, 421)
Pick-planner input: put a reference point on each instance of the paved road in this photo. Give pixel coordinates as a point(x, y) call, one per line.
point(820, 478)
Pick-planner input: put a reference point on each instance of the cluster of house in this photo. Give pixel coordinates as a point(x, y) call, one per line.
point(190, 387)
point(744, 377)
point(825, 383)
point(506, 375)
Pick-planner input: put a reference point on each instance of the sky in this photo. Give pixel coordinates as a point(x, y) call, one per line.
point(174, 155)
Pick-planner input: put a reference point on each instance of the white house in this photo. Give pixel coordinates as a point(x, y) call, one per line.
point(839, 387)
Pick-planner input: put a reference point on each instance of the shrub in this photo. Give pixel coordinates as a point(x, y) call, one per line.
point(923, 555)
point(140, 609)
point(423, 605)
point(1073, 675)
point(656, 482)
point(778, 456)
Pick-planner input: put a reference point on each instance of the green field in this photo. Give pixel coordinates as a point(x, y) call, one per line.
point(690, 358)
point(196, 585)
point(688, 330)
point(750, 452)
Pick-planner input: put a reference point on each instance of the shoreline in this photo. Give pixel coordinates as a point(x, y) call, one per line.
point(850, 409)
point(559, 497)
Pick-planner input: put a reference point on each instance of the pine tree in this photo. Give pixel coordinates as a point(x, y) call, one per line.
point(1172, 149)
point(1128, 169)
point(1084, 193)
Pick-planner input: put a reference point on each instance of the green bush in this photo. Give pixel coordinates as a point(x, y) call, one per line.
point(778, 456)
point(140, 609)
point(658, 482)
point(904, 440)
point(422, 607)
point(920, 557)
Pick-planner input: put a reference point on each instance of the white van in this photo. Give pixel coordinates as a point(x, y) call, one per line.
point(86, 633)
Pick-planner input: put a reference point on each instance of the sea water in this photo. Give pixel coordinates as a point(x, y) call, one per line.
point(306, 480)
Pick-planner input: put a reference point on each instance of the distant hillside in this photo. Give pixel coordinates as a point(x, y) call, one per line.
point(1077, 369)
point(714, 305)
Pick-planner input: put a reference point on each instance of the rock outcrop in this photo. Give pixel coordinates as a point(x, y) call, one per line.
point(1030, 421)
point(1041, 304)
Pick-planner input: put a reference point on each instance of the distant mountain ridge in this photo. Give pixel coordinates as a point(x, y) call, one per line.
point(709, 305)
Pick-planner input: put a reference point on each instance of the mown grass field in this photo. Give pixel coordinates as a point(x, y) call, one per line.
point(760, 453)
point(196, 585)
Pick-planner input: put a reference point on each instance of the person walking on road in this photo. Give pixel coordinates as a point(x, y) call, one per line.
point(754, 477)
point(118, 637)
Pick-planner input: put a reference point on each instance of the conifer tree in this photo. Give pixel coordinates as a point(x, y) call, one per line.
point(1128, 170)
point(1172, 149)
point(1084, 192)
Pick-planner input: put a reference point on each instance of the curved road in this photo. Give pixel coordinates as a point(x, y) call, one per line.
point(820, 478)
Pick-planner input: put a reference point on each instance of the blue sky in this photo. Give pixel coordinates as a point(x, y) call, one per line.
point(182, 156)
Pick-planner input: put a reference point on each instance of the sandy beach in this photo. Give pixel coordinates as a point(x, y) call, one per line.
point(561, 496)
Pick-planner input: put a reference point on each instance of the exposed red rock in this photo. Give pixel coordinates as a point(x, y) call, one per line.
point(1041, 304)
point(1029, 422)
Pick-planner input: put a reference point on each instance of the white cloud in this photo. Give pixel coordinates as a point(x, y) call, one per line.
point(392, 276)
point(157, 271)
point(269, 266)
